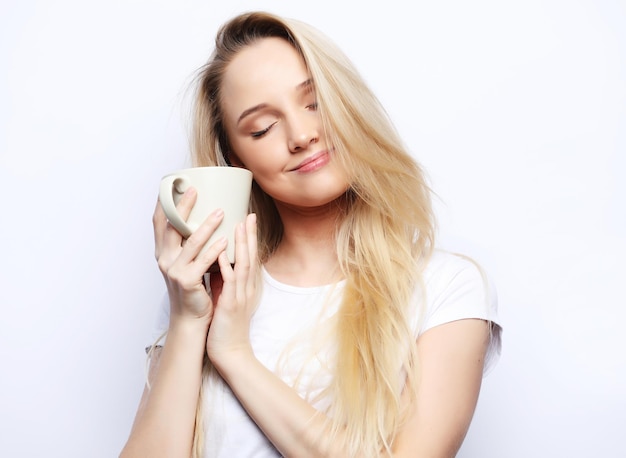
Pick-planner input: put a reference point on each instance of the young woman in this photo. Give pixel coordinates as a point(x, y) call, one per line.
point(340, 331)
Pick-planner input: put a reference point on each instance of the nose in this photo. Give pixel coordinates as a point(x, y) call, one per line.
point(304, 132)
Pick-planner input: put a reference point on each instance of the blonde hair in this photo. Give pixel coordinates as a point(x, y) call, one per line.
point(384, 237)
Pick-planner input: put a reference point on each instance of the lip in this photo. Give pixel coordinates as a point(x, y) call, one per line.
point(313, 163)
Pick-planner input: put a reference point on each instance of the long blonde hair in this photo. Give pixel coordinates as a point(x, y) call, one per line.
point(383, 240)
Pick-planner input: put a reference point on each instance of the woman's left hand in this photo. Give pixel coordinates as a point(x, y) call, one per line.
point(234, 292)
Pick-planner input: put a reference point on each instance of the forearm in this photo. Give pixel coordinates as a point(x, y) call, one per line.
point(165, 421)
point(451, 357)
point(295, 427)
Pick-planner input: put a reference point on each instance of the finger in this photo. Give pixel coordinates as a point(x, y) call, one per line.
point(172, 240)
point(251, 232)
point(196, 242)
point(186, 203)
point(200, 266)
point(159, 223)
point(167, 239)
point(191, 275)
point(171, 236)
point(242, 257)
point(228, 291)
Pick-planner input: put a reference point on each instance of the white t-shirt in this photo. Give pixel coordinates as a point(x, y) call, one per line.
point(284, 335)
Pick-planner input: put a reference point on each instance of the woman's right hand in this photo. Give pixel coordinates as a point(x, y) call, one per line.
point(182, 268)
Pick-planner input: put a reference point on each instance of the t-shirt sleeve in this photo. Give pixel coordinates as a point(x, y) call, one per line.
point(161, 323)
point(457, 288)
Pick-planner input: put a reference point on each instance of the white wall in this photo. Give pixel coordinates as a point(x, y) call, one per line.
point(516, 109)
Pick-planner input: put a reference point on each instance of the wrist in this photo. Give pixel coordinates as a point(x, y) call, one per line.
point(188, 328)
point(230, 362)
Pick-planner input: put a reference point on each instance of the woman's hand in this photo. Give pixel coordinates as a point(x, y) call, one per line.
point(180, 263)
point(234, 291)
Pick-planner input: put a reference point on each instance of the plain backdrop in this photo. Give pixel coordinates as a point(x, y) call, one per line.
point(516, 109)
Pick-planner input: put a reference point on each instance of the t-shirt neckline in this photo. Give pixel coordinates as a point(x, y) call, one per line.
point(267, 277)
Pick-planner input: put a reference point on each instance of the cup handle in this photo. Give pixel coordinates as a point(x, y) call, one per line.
point(169, 185)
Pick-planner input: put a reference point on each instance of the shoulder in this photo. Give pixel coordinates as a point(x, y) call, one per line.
point(448, 273)
point(455, 287)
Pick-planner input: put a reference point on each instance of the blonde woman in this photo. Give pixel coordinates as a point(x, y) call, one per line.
point(340, 331)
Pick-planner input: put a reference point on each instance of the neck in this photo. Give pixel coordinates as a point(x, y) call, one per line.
point(307, 254)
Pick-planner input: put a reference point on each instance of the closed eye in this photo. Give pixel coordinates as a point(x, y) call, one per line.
point(260, 133)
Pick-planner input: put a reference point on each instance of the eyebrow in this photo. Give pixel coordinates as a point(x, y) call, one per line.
point(251, 110)
point(304, 85)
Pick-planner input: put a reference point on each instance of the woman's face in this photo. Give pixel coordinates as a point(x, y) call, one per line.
point(274, 128)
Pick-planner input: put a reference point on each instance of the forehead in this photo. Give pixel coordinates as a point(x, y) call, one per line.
point(265, 69)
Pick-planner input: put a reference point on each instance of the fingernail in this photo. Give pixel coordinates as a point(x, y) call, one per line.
point(218, 213)
point(253, 218)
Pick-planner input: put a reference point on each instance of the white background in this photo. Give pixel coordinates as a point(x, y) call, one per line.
point(517, 109)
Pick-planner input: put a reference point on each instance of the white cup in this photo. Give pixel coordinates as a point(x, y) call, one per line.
point(222, 187)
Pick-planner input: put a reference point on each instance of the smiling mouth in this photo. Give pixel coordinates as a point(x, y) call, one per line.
point(313, 163)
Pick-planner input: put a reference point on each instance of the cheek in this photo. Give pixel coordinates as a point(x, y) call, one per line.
point(258, 157)
point(244, 153)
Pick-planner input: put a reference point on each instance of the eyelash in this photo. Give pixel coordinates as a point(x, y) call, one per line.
point(261, 133)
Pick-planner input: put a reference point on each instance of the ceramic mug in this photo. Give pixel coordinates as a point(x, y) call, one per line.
point(222, 187)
